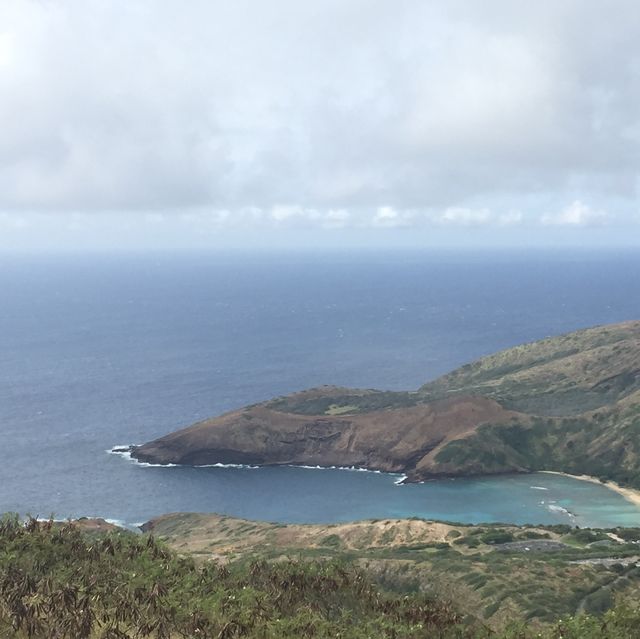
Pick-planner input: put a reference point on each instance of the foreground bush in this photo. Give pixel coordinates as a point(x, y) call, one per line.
point(57, 582)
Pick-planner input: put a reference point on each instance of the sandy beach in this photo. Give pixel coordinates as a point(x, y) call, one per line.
point(630, 494)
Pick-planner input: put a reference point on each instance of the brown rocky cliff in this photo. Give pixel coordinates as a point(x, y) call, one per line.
point(393, 440)
point(582, 388)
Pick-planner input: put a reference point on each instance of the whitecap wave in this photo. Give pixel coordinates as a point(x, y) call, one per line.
point(356, 469)
point(559, 509)
point(121, 523)
point(57, 520)
point(221, 465)
point(125, 452)
point(117, 522)
point(150, 465)
point(538, 488)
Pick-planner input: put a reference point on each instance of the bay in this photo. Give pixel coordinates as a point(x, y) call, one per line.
point(97, 351)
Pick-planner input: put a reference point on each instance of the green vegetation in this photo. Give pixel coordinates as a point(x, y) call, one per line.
point(564, 375)
point(337, 409)
point(343, 401)
point(558, 376)
point(579, 395)
point(467, 565)
point(497, 536)
point(604, 445)
point(57, 581)
point(587, 536)
point(628, 534)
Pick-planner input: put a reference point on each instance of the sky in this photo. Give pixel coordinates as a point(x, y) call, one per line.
point(164, 124)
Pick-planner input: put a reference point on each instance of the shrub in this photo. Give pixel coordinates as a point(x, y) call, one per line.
point(496, 537)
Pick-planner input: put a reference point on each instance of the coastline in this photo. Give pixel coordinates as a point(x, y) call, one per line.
point(125, 452)
point(630, 494)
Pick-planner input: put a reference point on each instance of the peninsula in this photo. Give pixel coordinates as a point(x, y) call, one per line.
point(567, 404)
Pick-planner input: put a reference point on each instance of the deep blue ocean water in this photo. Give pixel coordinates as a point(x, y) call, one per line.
point(97, 351)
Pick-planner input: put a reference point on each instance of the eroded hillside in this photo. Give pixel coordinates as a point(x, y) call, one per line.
point(569, 403)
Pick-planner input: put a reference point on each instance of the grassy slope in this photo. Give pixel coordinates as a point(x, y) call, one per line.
point(58, 583)
point(80, 582)
point(332, 400)
point(581, 391)
point(604, 444)
point(558, 376)
point(458, 563)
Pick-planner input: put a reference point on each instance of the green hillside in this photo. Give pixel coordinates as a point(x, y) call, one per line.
point(491, 574)
point(605, 445)
point(559, 376)
point(59, 582)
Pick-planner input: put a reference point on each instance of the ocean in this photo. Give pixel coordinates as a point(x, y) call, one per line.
point(98, 351)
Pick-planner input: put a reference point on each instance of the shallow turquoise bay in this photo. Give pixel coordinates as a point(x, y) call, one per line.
point(302, 495)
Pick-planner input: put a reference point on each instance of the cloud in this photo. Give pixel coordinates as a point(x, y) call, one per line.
point(576, 214)
point(287, 213)
point(388, 217)
point(12, 222)
point(511, 218)
point(325, 114)
point(6, 49)
point(460, 216)
point(336, 219)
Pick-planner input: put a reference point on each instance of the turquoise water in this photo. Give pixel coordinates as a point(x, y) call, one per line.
point(97, 352)
point(305, 495)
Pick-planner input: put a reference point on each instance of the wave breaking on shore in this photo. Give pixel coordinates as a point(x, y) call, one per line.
point(125, 453)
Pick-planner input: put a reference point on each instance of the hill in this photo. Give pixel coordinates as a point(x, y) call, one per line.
point(569, 404)
point(57, 581)
point(88, 581)
point(490, 573)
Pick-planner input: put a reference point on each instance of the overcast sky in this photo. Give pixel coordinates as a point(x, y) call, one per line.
point(159, 124)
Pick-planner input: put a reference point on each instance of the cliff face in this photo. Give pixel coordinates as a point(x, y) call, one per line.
point(393, 440)
point(566, 403)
